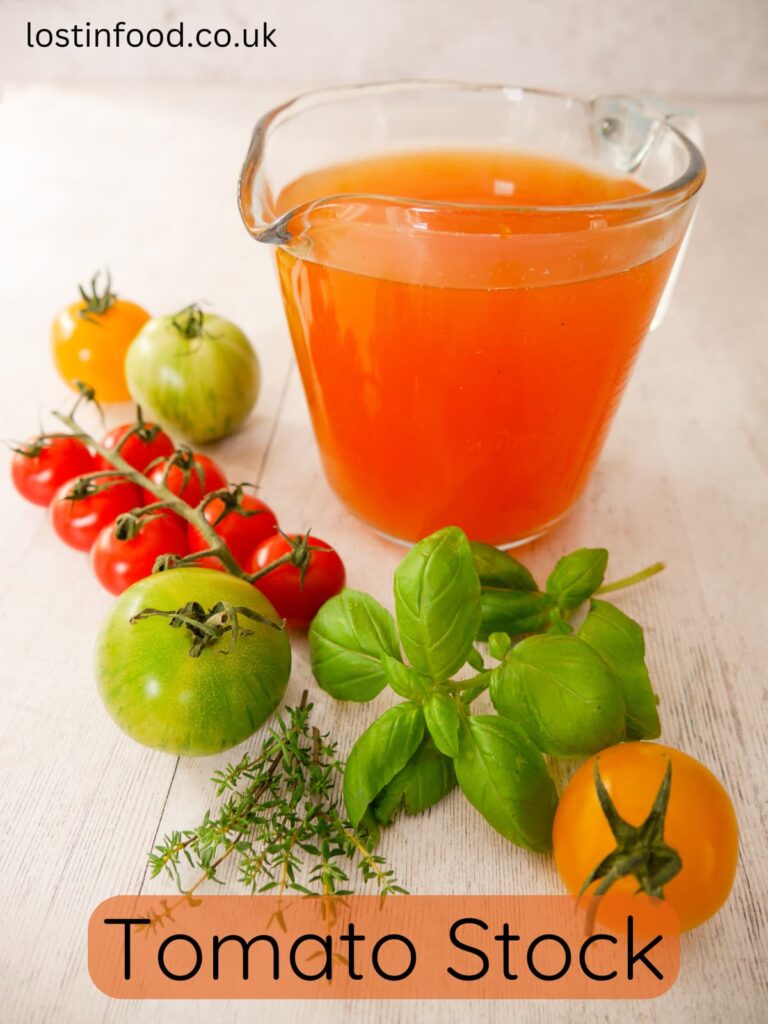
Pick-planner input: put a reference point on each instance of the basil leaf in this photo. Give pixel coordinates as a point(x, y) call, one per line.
point(498, 569)
point(504, 777)
point(443, 721)
point(347, 639)
point(512, 611)
point(577, 576)
point(437, 603)
point(619, 642)
point(425, 780)
point(404, 680)
point(562, 693)
point(378, 755)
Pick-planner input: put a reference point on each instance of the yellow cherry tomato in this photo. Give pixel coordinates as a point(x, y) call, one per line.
point(90, 338)
point(699, 826)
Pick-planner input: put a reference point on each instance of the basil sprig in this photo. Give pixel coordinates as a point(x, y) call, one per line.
point(556, 691)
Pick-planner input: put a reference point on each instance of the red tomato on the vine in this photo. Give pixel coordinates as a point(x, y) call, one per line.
point(189, 489)
point(42, 465)
point(78, 520)
point(119, 563)
point(242, 528)
point(294, 598)
point(141, 448)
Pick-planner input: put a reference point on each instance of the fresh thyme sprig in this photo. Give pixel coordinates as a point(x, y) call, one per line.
point(282, 819)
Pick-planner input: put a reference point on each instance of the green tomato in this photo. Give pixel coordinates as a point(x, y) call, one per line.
point(194, 372)
point(163, 697)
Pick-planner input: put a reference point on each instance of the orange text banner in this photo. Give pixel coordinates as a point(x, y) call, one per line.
point(406, 947)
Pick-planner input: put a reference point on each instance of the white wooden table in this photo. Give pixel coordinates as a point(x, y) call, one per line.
point(145, 182)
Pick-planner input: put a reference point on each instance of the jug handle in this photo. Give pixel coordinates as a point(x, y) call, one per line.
point(632, 124)
point(628, 125)
point(681, 117)
point(685, 120)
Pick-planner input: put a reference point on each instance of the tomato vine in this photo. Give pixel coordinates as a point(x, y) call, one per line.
point(167, 501)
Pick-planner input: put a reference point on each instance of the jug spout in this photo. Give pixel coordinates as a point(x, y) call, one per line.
point(255, 198)
point(308, 229)
point(273, 216)
point(256, 192)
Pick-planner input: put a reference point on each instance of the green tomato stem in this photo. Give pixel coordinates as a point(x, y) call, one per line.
point(99, 474)
point(149, 510)
point(251, 577)
point(630, 581)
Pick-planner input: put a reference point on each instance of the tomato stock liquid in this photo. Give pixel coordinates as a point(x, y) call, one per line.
point(462, 377)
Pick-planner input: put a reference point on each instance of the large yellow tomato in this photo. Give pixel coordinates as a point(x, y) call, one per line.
point(90, 338)
point(699, 825)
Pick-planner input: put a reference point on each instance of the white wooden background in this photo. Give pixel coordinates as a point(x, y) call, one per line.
point(146, 183)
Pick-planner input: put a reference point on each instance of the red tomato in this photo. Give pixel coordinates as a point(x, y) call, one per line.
point(42, 465)
point(191, 491)
point(297, 600)
point(78, 521)
point(241, 533)
point(119, 563)
point(141, 448)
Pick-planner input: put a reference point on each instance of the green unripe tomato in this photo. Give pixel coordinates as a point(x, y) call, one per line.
point(163, 697)
point(195, 373)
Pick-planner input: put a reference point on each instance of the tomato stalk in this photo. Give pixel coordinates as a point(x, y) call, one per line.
point(230, 500)
point(299, 555)
point(189, 322)
point(82, 486)
point(206, 627)
point(640, 850)
point(96, 302)
point(140, 429)
point(31, 449)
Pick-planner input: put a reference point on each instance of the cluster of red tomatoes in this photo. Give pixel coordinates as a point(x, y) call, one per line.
point(56, 471)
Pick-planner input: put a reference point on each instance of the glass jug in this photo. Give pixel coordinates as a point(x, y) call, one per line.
point(468, 272)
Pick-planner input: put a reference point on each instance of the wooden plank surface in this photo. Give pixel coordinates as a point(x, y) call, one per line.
point(145, 182)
